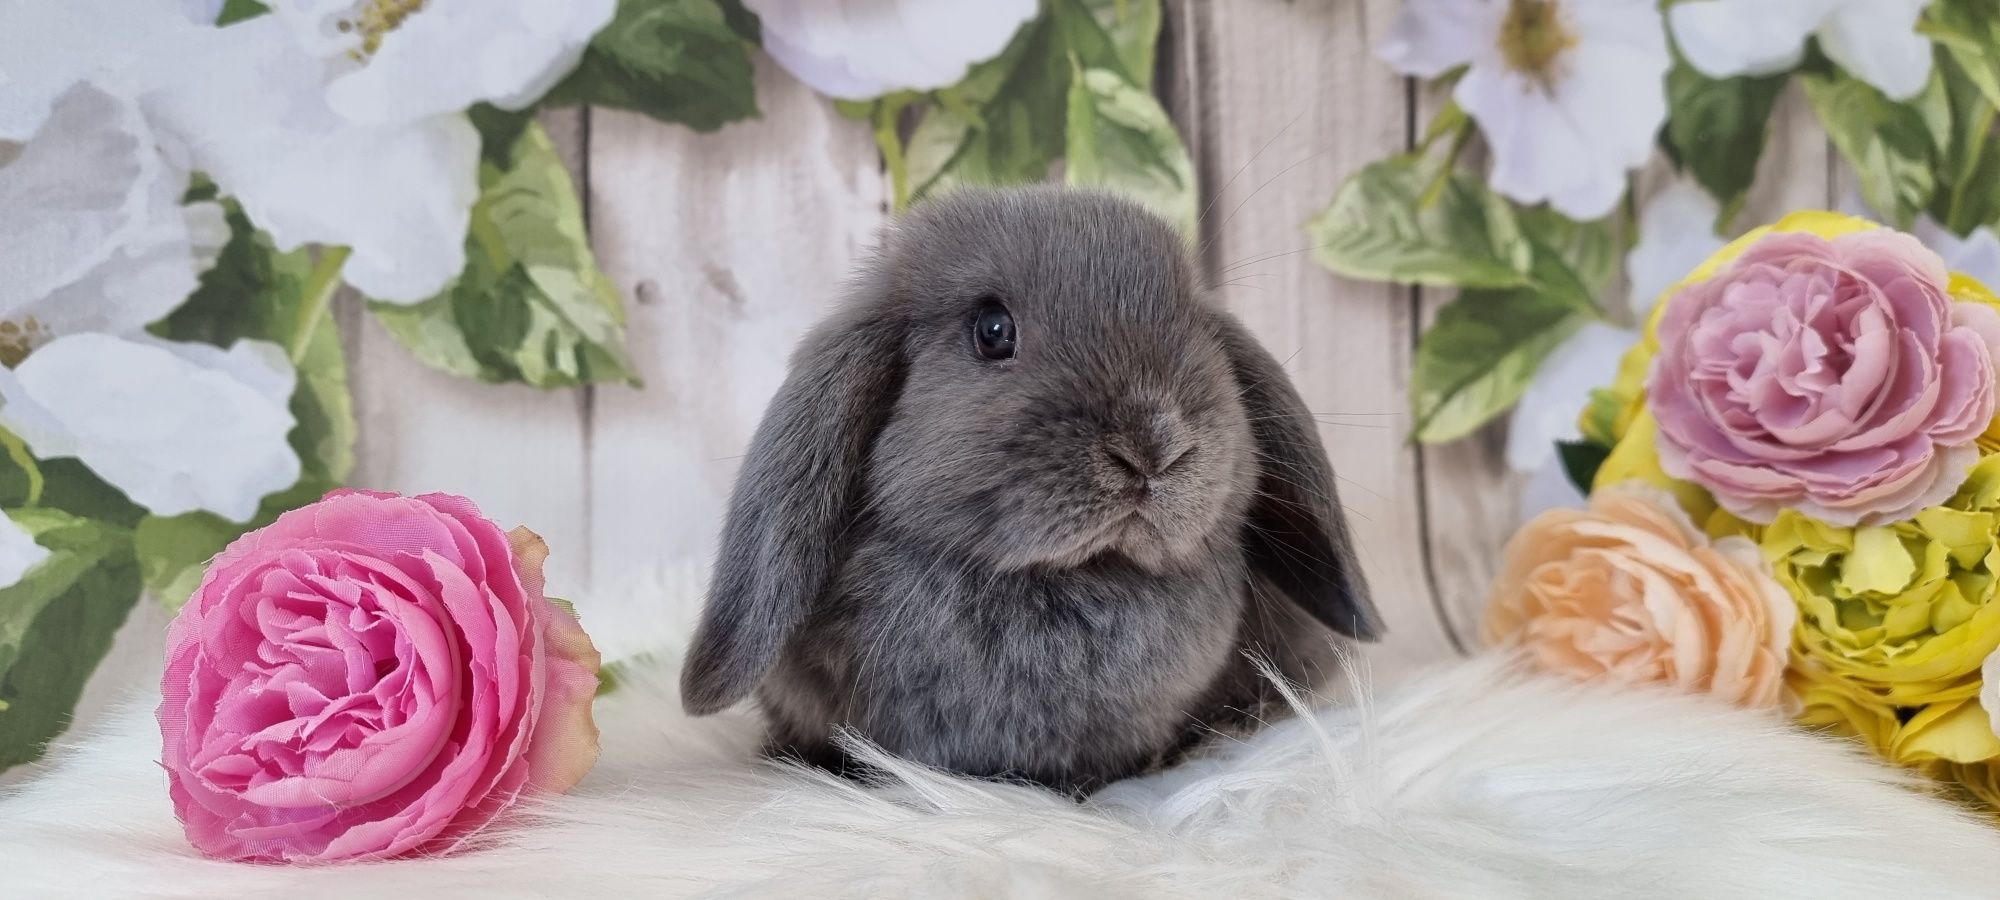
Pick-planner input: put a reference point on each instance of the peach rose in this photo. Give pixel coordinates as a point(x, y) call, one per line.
point(1630, 589)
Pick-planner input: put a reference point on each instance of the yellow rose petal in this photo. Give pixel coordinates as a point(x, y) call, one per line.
point(1879, 563)
point(1956, 732)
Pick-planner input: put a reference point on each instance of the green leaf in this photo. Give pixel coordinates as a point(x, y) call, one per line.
point(254, 291)
point(1717, 129)
point(69, 486)
point(1588, 250)
point(1120, 139)
point(1969, 170)
point(234, 11)
point(1102, 35)
point(1581, 460)
point(742, 21)
point(1892, 146)
point(1003, 124)
point(1480, 355)
point(531, 305)
point(1969, 30)
point(57, 623)
point(1133, 27)
point(174, 551)
point(675, 60)
point(1377, 229)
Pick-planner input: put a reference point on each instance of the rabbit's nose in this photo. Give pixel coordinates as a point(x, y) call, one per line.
point(1149, 453)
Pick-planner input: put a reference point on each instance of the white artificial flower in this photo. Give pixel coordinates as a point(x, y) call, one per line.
point(399, 60)
point(1877, 40)
point(1549, 408)
point(96, 237)
point(251, 110)
point(177, 427)
point(1569, 93)
point(333, 122)
point(1977, 254)
point(857, 49)
point(1676, 235)
point(18, 552)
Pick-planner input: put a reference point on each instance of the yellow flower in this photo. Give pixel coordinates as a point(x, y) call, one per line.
point(1904, 613)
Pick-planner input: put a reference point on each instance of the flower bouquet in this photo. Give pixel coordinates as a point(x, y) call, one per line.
point(1795, 500)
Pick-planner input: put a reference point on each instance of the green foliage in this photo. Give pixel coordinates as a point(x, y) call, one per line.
point(1119, 138)
point(1073, 86)
point(1481, 354)
point(1969, 30)
point(234, 11)
point(1379, 228)
point(531, 305)
point(173, 551)
point(56, 624)
point(1581, 460)
point(256, 292)
point(1716, 129)
point(67, 486)
point(1969, 162)
point(1588, 252)
point(1892, 146)
point(680, 61)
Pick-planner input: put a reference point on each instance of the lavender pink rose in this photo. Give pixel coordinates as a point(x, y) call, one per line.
point(1833, 376)
point(367, 677)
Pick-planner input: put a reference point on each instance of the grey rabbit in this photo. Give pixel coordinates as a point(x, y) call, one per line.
point(1023, 506)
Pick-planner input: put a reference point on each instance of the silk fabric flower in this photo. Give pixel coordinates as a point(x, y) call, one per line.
point(1630, 590)
point(1836, 377)
point(371, 676)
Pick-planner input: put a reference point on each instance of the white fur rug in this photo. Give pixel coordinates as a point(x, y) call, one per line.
point(1469, 781)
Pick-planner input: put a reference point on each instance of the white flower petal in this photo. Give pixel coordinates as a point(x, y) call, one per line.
point(1570, 139)
point(47, 47)
point(451, 54)
point(1548, 487)
point(1977, 254)
point(1725, 38)
point(74, 195)
point(176, 427)
point(252, 112)
point(1676, 234)
point(18, 552)
point(1550, 406)
point(1430, 37)
point(99, 239)
point(857, 49)
point(1877, 40)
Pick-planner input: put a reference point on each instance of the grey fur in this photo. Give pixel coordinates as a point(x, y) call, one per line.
point(945, 553)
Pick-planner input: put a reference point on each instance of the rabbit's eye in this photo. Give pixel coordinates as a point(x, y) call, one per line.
point(993, 331)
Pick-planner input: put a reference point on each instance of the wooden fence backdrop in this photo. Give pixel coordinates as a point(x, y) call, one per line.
point(729, 245)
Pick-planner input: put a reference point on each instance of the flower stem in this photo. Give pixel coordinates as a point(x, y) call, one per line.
point(887, 111)
point(319, 290)
point(17, 450)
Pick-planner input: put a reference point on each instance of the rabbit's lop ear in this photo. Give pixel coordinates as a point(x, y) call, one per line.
point(799, 486)
point(1296, 535)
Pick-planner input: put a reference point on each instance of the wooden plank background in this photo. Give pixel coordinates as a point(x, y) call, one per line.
point(729, 245)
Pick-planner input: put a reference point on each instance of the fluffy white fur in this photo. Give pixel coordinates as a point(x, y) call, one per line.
point(1471, 780)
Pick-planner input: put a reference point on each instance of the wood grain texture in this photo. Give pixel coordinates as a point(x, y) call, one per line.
point(729, 245)
point(1287, 101)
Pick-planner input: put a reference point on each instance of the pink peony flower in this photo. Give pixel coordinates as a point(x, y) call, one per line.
point(370, 676)
point(1833, 376)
